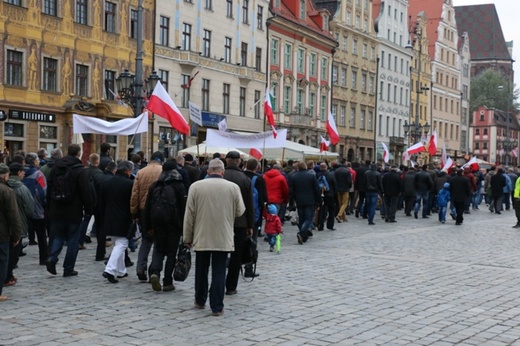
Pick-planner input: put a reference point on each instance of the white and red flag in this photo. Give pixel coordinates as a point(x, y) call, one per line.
point(256, 153)
point(386, 153)
point(188, 84)
point(514, 152)
point(447, 165)
point(416, 149)
point(432, 147)
point(324, 145)
point(268, 110)
point(332, 130)
point(444, 156)
point(162, 104)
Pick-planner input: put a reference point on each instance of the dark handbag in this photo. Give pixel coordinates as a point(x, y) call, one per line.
point(249, 252)
point(134, 232)
point(183, 263)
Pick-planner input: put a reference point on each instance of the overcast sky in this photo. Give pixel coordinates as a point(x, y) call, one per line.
point(508, 11)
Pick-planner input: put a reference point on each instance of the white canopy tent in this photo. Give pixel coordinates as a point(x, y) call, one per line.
point(295, 151)
point(208, 151)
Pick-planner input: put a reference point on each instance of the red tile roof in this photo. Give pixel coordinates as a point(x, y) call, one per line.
point(433, 11)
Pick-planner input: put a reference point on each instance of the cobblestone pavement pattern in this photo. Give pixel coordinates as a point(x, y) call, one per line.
point(414, 282)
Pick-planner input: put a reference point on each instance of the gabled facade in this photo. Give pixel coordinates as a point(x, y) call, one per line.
point(300, 59)
point(393, 96)
point(445, 64)
point(354, 72)
point(214, 55)
point(61, 59)
point(465, 81)
point(492, 138)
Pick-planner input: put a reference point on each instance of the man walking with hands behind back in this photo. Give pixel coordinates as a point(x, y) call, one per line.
point(211, 209)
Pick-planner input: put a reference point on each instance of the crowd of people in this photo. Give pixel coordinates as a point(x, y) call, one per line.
point(213, 208)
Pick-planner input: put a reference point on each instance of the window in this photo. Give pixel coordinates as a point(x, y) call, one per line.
point(50, 7)
point(484, 144)
point(389, 91)
point(380, 127)
point(365, 50)
point(14, 63)
point(476, 145)
point(370, 116)
point(364, 82)
point(82, 80)
point(50, 74)
point(354, 80)
point(372, 53)
point(485, 132)
point(288, 56)
point(225, 98)
point(344, 77)
point(312, 104)
point(164, 31)
point(344, 44)
point(110, 17)
point(245, 11)
point(133, 23)
point(81, 11)
point(227, 50)
point(14, 2)
point(257, 104)
point(229, 8)
point(302, 9)
point(208, 5)
point(258, 59)
point(352, 121)
point(371, 82)
point(299, 101)
point(323, 108)
point(324, 68)
point(383, 58)
point(312, 68)
point(185, 79)
point(186, 36)
point(287, 100)
point(260, 18)
point(395, 93)
point(334, 74)
point(362, 119)
point(205, 94)
point(243, 54)
point(206, 43)
point(342, 115)
point(354, 47)
point(164, 77)
point(274, 52)
point(110, 82)
point(242, 105)
point(381, 90)
point(347, 18)
point(389, 61)
point(301, 60)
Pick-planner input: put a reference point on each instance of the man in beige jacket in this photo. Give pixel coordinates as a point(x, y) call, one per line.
point(212, 206)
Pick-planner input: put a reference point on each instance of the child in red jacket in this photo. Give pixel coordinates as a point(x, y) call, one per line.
point(273, 225)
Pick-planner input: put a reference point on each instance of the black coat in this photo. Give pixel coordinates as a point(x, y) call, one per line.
point(343, 179)
point(304, 189)
point(392, 184)
point(460, 188)
point(114, 205)
point(409, 184)
point(498, 181)
point(423, 182)
point(237, 176)
point(260, 187)
point(333, 183)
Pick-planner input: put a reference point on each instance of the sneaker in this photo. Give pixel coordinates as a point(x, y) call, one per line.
point(168, 288)
point(156, 285)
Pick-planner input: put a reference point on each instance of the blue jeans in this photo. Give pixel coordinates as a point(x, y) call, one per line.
point(371, 201)
point(477, 198)
point(4, 262)
point(424, 197)
point(442, 213)
point(271, 239)
point(65, 231)
point(305, 219)
point(218, 278)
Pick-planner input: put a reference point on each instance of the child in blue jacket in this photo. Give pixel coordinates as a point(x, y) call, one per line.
point(443, 198)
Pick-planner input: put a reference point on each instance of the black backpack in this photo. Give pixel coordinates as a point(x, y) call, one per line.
point(64, 183)
point(163, 205)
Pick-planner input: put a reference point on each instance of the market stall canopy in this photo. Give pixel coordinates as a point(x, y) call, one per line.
point(295, 151)
point(208, 151)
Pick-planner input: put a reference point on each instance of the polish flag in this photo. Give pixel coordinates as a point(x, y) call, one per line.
point(444, 156)
point(256, 153)
point(514, 152)
point(472, 163)
point(432, 147)
point(268, 110)
point(324, 145)
point(446, 166)
point(416, 149)
point(386, 153)
point(406, 156)
point(332, 130)
point(162, 104)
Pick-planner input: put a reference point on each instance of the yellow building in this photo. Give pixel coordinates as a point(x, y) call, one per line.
point(61, 57)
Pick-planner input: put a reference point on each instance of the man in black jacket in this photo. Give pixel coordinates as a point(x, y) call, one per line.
point(305, 192)
point(95, 186)
point(392, 189)
point(328, 207)
point(373, 187)
point(66, 215)
point(244, 224)
point(343, 180)
point(360, 187)
point(497, 181)
point(460, 191)
point(423, 184)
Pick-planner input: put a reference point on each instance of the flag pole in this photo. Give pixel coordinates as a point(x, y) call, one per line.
point(136, 129)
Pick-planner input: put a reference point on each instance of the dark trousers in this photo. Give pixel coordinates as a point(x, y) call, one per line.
point(409, 203)
point(14, 255)
point(38, 225)
point(101, 238)
point(235, 259)
point(65, 231)
point(516, 205)
point(459, 210)
point(166, 244)
point(391, 206)
point(361, 205)
point(83, 229)
point(4, 262)
point(327, 212)
point(218, 278)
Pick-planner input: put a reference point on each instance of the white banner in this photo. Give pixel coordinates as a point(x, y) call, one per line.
point(254, 140)
point(123, 127)
point(195, 113)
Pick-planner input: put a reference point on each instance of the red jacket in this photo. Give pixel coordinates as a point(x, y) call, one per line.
point(277, 187)
point(273, 225)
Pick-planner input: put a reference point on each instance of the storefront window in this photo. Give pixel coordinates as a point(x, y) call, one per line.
point(13, 130)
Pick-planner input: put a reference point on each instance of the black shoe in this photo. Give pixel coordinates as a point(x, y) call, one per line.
point(415, 215)
point(331, 229)
point(110, 277)
point(129, 263)
point(425, 217)
point(517, 225)
point(122, 276)
point(309, 233)
point(357, 213)
point(453, 216)
point(371, 224)
point(408, 214)
point(71, 273)
point(101, 259)
point(300, 239)
point(386, 220)
point(231, 293)
point(24, 245)
point(33, 242)
point(22, 254)
point(250, 274)
point(51, 267)
point(392, 221)
point(88, 240)
point(457, 224)
point(497, 212)
point(142, 276)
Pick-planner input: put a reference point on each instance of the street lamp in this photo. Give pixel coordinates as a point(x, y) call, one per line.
point(415, 130)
